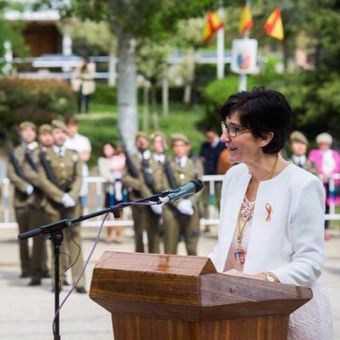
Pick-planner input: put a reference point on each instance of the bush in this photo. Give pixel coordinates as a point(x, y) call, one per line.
point(39, 101)
point(104, 94)
point(214, 95)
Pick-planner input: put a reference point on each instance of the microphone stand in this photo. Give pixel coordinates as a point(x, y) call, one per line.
point(55, 232)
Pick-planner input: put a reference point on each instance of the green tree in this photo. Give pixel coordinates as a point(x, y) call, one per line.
point(152, 64)
point(11, 32)
point(85, 36)
point(315, 93)
point(131, 21)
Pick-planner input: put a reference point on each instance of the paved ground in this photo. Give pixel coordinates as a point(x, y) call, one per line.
point(26, 312)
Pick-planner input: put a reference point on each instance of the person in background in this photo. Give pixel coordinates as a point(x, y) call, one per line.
point(180, 218)
point(81, 144)
point(327, 163)
point(3, 165)
point(45, 137)
point(210, 154)
point(159, 147)
point(139, 178)
point(23, 193)
point(61, 180)
point(298, 144)
point(83, 83)
point(111, 165)
point(210, 151)
point(272, 211)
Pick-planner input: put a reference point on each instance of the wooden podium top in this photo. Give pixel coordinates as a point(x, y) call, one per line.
point(186, 288)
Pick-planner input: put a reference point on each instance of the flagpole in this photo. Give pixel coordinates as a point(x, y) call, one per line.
point(243, 77)
point(242, 86)
point(220, 48)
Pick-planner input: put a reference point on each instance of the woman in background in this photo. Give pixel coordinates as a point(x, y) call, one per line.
point(83, 83)
point(111, 165)
point(327, 163)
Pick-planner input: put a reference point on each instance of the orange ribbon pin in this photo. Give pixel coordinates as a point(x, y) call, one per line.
point(269, 210)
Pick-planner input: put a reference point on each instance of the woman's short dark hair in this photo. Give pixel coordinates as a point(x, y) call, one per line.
point(261, 110)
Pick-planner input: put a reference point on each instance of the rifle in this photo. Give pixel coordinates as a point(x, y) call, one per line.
point(12, 156)
point(147, 175)
point(129, 163)
point(169, 175)
point(15, 163)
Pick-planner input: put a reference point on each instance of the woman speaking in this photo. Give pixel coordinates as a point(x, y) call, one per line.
point(272, 211)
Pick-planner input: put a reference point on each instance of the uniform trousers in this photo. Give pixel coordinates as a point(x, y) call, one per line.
point(144, 219)
point(21, 216)
point(176, 227)
point(36, 218)
point(71, 251)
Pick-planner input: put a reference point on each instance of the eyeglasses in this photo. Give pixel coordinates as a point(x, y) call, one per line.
point(232, 130)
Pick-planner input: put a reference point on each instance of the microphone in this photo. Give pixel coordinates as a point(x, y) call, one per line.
point(188, 189)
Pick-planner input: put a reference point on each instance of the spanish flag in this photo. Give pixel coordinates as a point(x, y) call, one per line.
point(246, 23)
point(274, 26)
point(212, 25)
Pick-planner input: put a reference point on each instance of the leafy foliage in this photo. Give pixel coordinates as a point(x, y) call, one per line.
point(36, 100)
point(89, 37)
point(11, 32)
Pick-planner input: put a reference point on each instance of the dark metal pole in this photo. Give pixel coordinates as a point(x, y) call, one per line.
point(56, 238)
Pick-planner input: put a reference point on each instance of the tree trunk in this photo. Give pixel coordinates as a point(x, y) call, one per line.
point(146, 88)
point(155, 121)
point(111, 81)
point(187, 94)
point(127, 89)
point(165, 97)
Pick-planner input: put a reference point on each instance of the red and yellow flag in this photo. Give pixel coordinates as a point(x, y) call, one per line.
point(274, 25)
point(213, 24)
point(246, 23)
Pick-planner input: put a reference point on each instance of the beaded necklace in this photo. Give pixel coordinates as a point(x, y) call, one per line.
point(242, 220)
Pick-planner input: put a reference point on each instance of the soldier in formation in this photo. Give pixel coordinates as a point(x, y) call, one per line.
point(47, 178)
point(148, 173)
point(180, 218)
point(139, 178)
point(29, 202)
point(60, 178)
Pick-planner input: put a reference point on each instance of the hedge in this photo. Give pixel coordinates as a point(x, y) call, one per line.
point(39, 101)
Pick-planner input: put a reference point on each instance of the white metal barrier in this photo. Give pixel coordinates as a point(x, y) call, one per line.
point(95, 202)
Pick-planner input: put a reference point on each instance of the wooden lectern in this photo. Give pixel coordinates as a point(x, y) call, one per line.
point(163, 297)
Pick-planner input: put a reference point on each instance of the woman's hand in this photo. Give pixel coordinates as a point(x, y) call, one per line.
point(259, 276)
point(235, 272)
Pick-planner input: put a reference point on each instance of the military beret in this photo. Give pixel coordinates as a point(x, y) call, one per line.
point(58, 124)
point(297, 136)
point(27, 124)
point(179, 136)
point(45, 128)
point(141, 134)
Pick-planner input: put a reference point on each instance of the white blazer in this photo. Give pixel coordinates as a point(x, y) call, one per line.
point(289, 242)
